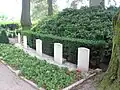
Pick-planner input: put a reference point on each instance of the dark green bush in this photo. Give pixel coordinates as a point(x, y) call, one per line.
point(91, 23)
point(10, 26)
point(70, 45)
point(3, 37)
point(11, 34)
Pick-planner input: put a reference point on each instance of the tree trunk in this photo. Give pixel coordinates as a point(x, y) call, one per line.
point(50, 7)
point(111, 80)
point(25, 16)
point(97, 3)
point(75, 3)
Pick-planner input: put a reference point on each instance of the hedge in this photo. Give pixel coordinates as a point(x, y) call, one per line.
point(70, 46)
point(91, 23)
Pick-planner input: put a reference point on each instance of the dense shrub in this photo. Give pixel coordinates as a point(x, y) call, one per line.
point(3, 37)
point(70, 46)
point(10, 26)
point(11, 34)
point(91, 23)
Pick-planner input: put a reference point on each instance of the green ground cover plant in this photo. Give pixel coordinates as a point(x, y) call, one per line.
point(45, 75)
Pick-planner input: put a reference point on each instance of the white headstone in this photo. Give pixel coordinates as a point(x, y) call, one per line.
point(19, 38)
point(83, 59)
point(58, 53)
point(39, 46)
point(25, 41)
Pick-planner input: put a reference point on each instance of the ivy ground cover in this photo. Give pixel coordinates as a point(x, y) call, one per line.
point(40, 72)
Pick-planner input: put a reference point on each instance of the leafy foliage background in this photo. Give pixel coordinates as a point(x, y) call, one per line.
point(91, 23)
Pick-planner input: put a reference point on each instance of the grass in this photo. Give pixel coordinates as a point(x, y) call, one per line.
point(40, 72)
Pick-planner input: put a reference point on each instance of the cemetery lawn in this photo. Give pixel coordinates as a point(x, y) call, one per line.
point(40, 72)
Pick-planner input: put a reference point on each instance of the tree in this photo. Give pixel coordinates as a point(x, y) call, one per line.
point(111, 79)
point(97, 2)
point(100, 2)
point(40, 8)
point(91, 2)
point(113, 1)
point(50, 7)
point(25, 16)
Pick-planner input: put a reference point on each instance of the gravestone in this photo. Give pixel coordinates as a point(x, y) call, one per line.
point(83, 59)
point(58, 53)
point(25, 41)
point(39, 46)
point(19, 38)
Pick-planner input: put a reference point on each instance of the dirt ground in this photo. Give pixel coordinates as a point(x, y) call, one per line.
point(12, 40)
point(87, 85)
point(90, 84)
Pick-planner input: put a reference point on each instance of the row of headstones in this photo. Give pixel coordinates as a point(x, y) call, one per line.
point(83, 53)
